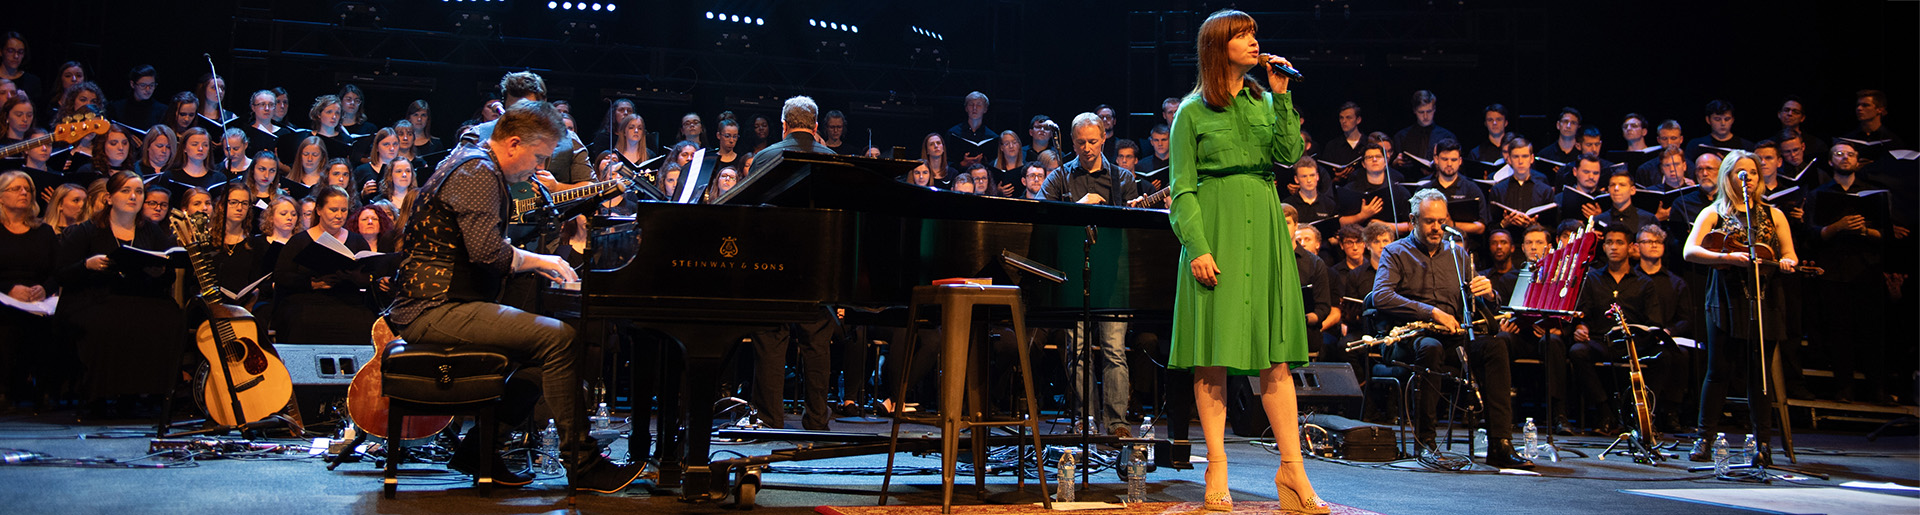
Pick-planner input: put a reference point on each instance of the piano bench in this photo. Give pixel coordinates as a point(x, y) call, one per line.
point(963, 395)
point(435, 379)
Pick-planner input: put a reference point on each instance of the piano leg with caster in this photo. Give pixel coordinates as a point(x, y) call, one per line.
point(704, 347)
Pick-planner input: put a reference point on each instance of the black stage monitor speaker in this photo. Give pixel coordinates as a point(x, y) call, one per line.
point(1319, 387)
point(1328, 388)
point(1341, 437)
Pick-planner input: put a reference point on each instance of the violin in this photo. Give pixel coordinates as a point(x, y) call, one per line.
point(1761, 253)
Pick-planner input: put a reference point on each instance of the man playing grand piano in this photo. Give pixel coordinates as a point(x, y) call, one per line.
point(456, 257)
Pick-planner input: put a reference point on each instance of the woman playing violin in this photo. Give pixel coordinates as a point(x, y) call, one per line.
point(1730, 305)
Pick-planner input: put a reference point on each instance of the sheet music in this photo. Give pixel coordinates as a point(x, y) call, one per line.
point(691, 179)
point(42, 307)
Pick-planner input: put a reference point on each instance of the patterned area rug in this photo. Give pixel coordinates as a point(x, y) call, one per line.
point(1151, 508)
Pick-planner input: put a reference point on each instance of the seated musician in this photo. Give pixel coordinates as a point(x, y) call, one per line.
point(1089, 178)
point(1420, 279)
point(1597, 338)
point(457, 256)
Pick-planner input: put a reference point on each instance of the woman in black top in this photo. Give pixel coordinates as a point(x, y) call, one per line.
point(112, 152)
point(353, 119)
point(1730, 306)
point(192, 169)
point(121, 318)
point(322, 306)
point(19, 119)
point(240, 253)
point(729, 137)
point(26, 274)
point(425, 144)
point(305, 167)
point(157, 151)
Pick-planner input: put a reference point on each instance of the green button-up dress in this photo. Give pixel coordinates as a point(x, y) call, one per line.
point(1224, 203)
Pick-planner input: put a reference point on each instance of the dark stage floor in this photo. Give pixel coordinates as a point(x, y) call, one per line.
point(294, 484)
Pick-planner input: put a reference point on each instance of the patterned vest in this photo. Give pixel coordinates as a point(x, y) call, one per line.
point(437, 267)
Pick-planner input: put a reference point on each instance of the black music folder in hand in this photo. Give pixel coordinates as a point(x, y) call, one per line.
point(1328, 227)
point(1875, 205)
point(328, 255)
point(132, 258)
point(1632, 158)
point(1653, 201)
point(1577, 201)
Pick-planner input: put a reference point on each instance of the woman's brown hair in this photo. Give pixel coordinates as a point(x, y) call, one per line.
point(1216, 77)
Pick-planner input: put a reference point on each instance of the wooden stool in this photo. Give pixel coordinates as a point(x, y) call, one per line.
point(435, 379)
point(963, 394)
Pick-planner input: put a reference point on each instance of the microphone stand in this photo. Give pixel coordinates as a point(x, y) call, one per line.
point(1086, 355)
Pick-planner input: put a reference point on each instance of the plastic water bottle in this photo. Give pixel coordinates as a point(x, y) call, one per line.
point(1721, 459)
point(1066, 472)
point(602, 417)
point(1146, 431)
point(1137, 475)
point(550, 448)
point(1532, 434)
point(1480, 441)
point(1750, 452)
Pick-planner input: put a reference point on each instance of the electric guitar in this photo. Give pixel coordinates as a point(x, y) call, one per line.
point(243, 382)
point(70, 130)
point(533, 205)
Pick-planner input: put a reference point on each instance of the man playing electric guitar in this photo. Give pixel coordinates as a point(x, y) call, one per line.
point(1421, 278)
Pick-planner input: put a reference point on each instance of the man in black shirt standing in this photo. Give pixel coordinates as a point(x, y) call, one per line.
point(1870, 107)
point(1465, 201)
point(1523, 191)
point(1343, 149)
point(971, 141)
point(142, 110)
point(1620, 209)
point(1492, 149)
point(1422, 278)
point(1853, 233)
point(797, 123)
point(1720, 119)
point(1418, 139)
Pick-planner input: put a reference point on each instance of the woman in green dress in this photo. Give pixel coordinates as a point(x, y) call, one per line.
point(1237, 307)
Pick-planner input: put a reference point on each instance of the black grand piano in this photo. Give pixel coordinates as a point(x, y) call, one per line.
point(819, 230)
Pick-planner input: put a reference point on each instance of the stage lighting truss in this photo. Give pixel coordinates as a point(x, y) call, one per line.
point(360, 14)
point(744, 19)
point(579, 30)
point(471, 23)
point(833, 25)
point(582, 7)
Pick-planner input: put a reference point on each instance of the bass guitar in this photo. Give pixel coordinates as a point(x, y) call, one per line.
point(70, 130)
point(367, 402)
point(243, 382)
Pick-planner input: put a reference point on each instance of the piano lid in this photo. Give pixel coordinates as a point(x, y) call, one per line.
point(824, 181)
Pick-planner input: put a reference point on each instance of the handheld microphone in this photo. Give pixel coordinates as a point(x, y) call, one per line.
point(1282, 69)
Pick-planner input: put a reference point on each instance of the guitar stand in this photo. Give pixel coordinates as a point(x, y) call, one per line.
point(1633, 445)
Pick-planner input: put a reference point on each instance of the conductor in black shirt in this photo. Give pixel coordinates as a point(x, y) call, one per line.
point(797, 123)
